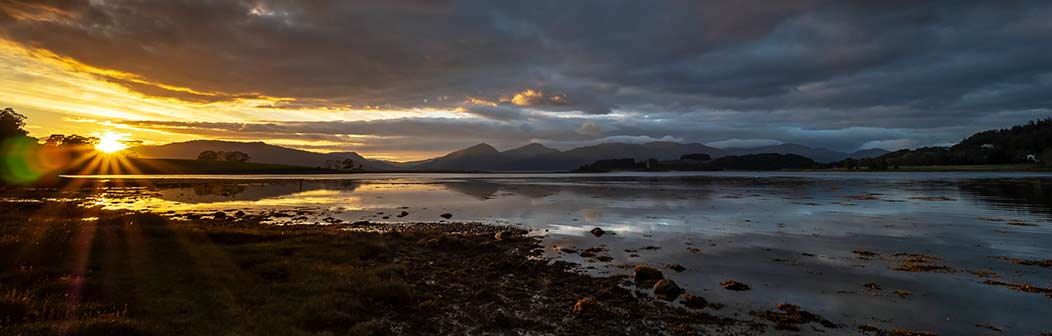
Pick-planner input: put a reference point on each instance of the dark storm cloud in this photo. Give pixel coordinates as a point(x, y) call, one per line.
point(840, 74)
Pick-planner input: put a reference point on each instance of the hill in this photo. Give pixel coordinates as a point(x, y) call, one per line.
point(765, 161)
point(537, 157)
point(818, 154)
point(868, 153)
point(477, 157)
point(177, 166)
point(258, 151)
point(574, 158)
point(1027, 143)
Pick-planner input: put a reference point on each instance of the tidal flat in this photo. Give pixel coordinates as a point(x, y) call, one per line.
point(735, 253)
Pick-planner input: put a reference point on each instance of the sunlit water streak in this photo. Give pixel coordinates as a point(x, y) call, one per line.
point(789, 235)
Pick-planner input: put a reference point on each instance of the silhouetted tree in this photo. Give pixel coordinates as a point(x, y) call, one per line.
point(235, 156)
point(11, 123)
point(850, 164)
point(696, 157)
point(54, 140)
point(1046, 158)
point(208, 156)
point(77, 140)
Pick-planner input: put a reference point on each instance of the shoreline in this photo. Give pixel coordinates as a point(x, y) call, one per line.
point(455, 272)
point(138, 273)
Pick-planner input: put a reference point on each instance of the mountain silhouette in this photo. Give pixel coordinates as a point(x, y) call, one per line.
point(818, 154)
point(571, 159)
point(527, 151)
point(484, 157)
point(868, 153)
point(258, 152)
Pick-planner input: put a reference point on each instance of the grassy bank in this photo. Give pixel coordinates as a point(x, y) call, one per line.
point(65, 270)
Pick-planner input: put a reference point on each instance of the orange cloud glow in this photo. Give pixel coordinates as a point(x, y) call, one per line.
point(61, 95)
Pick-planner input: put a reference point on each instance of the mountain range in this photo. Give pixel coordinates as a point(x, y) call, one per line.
point(484, 157)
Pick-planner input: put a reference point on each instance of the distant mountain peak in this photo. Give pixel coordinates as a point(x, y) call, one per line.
point(479, 148)
point(530, 150)
point(534, 145)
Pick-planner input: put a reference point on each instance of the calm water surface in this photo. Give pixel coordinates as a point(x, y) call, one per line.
point(790, 236)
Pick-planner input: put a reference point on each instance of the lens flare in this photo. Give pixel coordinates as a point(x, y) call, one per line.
point(23, 161)
point(111, 142)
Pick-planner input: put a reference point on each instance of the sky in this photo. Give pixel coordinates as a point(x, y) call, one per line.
point(410, 79)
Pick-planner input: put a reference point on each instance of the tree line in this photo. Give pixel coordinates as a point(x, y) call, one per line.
point(235, 156)
point(703, 162)
point(1027, 143)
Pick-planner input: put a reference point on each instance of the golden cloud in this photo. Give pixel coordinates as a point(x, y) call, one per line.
point(531, 97)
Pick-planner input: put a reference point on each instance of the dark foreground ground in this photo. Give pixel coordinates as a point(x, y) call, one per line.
point(66, 270)
point(70, 270)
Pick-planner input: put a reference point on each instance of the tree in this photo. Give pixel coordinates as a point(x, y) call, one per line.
point(235, 156)
point(696, 157)
point(11, 123)
point(348, 164)
point(77, 140)
point(208, 156)
point(1046, 158)
point(55, 140)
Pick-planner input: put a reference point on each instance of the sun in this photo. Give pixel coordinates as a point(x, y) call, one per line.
point(111, 142)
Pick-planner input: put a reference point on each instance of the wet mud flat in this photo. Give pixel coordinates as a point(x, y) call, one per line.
point(69, 270)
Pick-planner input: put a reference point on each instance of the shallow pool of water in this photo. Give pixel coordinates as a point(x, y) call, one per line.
point(811, 239)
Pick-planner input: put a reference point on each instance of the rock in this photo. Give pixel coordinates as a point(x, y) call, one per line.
point(446, 215)
point(405, 213)
point(790, 317)
point(504, 235)
point(676, 267)
point(667, 290)
point(239, 213)
point(694, 302)
point(586, 306)
point(219, 215)
point(734, 285)
point(645, 275)
point(592, 252)
point(597, 232)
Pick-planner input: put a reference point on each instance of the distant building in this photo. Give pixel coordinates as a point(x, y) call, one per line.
point(988, 146)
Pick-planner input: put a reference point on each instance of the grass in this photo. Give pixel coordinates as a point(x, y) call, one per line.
point(66, 270)
point(142, 274)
